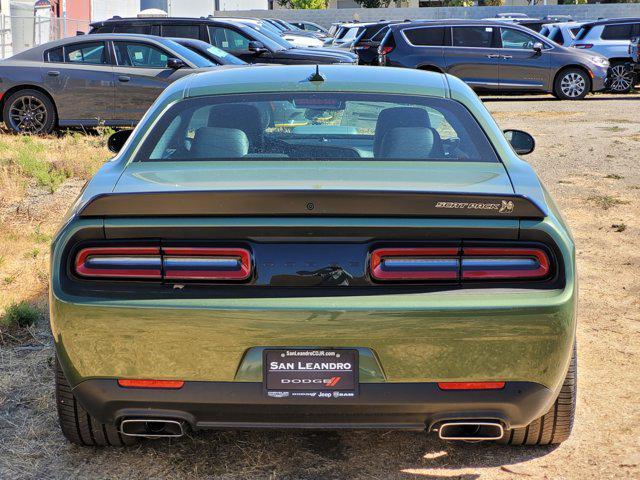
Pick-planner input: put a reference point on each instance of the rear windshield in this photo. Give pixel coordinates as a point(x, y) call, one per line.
point(583, 32)
point(317, 126)
point(380, 35)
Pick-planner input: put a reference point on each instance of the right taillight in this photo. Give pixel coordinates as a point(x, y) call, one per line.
point(497, 263)
point(411, 264)
point(417, 264)
point(583, 46)
point(384, 50)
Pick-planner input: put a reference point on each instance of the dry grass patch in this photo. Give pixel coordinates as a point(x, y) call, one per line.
point(39, 179)
point(49, 161)
point(605, 202)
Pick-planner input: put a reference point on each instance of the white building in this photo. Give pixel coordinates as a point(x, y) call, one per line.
point(198, 8)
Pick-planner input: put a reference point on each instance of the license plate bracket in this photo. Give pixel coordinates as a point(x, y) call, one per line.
point(310, 373)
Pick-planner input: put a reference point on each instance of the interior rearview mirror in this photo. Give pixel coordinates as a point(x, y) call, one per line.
point(256, 47)
point(117, 140)
point(522, 142)
point(538, 46)
point(175, 63)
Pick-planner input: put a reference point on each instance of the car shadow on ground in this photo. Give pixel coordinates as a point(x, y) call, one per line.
point(331, 454)
point(549, 98)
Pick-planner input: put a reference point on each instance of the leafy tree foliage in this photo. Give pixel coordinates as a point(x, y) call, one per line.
point(303, 4)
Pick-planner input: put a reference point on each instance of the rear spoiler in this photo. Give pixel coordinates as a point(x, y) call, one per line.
point(306, 203)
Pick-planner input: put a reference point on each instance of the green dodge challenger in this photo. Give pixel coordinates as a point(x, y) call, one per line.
point(303, 247)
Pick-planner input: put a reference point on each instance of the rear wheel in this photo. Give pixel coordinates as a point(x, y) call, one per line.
point(78, 426)
point(29, 111)
point(621, 78)
point(555, 426)
point(572, 84)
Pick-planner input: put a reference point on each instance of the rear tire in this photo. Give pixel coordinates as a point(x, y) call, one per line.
point(555, 426)
point(29, 112)
point(571, 84)
point(78, 426)
point(622, 78)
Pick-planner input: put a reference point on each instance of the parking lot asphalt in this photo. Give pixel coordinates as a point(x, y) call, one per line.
point(587, 156)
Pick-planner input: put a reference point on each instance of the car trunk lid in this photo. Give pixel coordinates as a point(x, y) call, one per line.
point(316, 188)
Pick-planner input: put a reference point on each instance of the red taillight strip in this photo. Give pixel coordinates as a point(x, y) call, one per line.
point(499, 263)
point(471, 385)
point(167, 384)
point(193, 263)
point(131, 264)
point(432, 263)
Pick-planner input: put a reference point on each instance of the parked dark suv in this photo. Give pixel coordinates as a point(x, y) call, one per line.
point(494, 56)
point(234, 37)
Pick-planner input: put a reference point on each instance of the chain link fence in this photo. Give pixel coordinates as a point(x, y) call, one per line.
point(18, 33)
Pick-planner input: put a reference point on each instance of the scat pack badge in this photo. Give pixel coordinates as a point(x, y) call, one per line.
point(506, 206)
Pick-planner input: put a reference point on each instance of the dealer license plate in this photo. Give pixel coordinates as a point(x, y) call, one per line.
point(311, 373)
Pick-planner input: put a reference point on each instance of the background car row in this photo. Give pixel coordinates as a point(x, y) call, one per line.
point(607, 37)
point(112, 75)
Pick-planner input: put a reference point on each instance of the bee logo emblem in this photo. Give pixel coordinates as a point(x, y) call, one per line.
point(506, 207)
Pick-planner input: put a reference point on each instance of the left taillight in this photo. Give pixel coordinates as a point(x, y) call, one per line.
point(164, 263)
point(454, 264)
point(233, 264)
point(119, 262)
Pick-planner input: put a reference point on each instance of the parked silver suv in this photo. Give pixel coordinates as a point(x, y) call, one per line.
point(563, 33)
point(611, 38)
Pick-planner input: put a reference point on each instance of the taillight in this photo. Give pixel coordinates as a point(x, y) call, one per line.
point(170, 263)
point(504, 263)
point(453, 264)
point(119, 262)
point(384, 50)
point(415, 264)
point(583, 45)
point(206, 263)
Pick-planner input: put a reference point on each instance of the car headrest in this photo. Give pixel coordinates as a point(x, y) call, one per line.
point(216, 142)
point(410, 142)
point(398, 117)
point(248, 118)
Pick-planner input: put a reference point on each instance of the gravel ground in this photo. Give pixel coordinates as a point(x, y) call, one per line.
point(587, 156)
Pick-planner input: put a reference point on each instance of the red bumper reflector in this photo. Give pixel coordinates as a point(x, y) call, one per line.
point(168, 384)
point(471, 385)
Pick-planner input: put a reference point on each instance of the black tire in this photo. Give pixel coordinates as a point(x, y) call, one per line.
point(571, 84)
point(555, 426)
point(78, 426)
point(621, 78)
point(39, 113)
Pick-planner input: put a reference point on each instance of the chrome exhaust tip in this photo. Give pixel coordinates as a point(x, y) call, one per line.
point(151, 428)
point(470, 431)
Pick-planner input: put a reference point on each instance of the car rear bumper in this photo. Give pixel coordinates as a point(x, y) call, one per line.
point(239, 405)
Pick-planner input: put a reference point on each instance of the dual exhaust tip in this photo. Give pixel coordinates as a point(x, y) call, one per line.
point(471, 431)
point(462, 431)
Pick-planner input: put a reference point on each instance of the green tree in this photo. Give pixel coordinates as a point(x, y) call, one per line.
point(374, 3)
point(303, 4)
point(458, 3)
